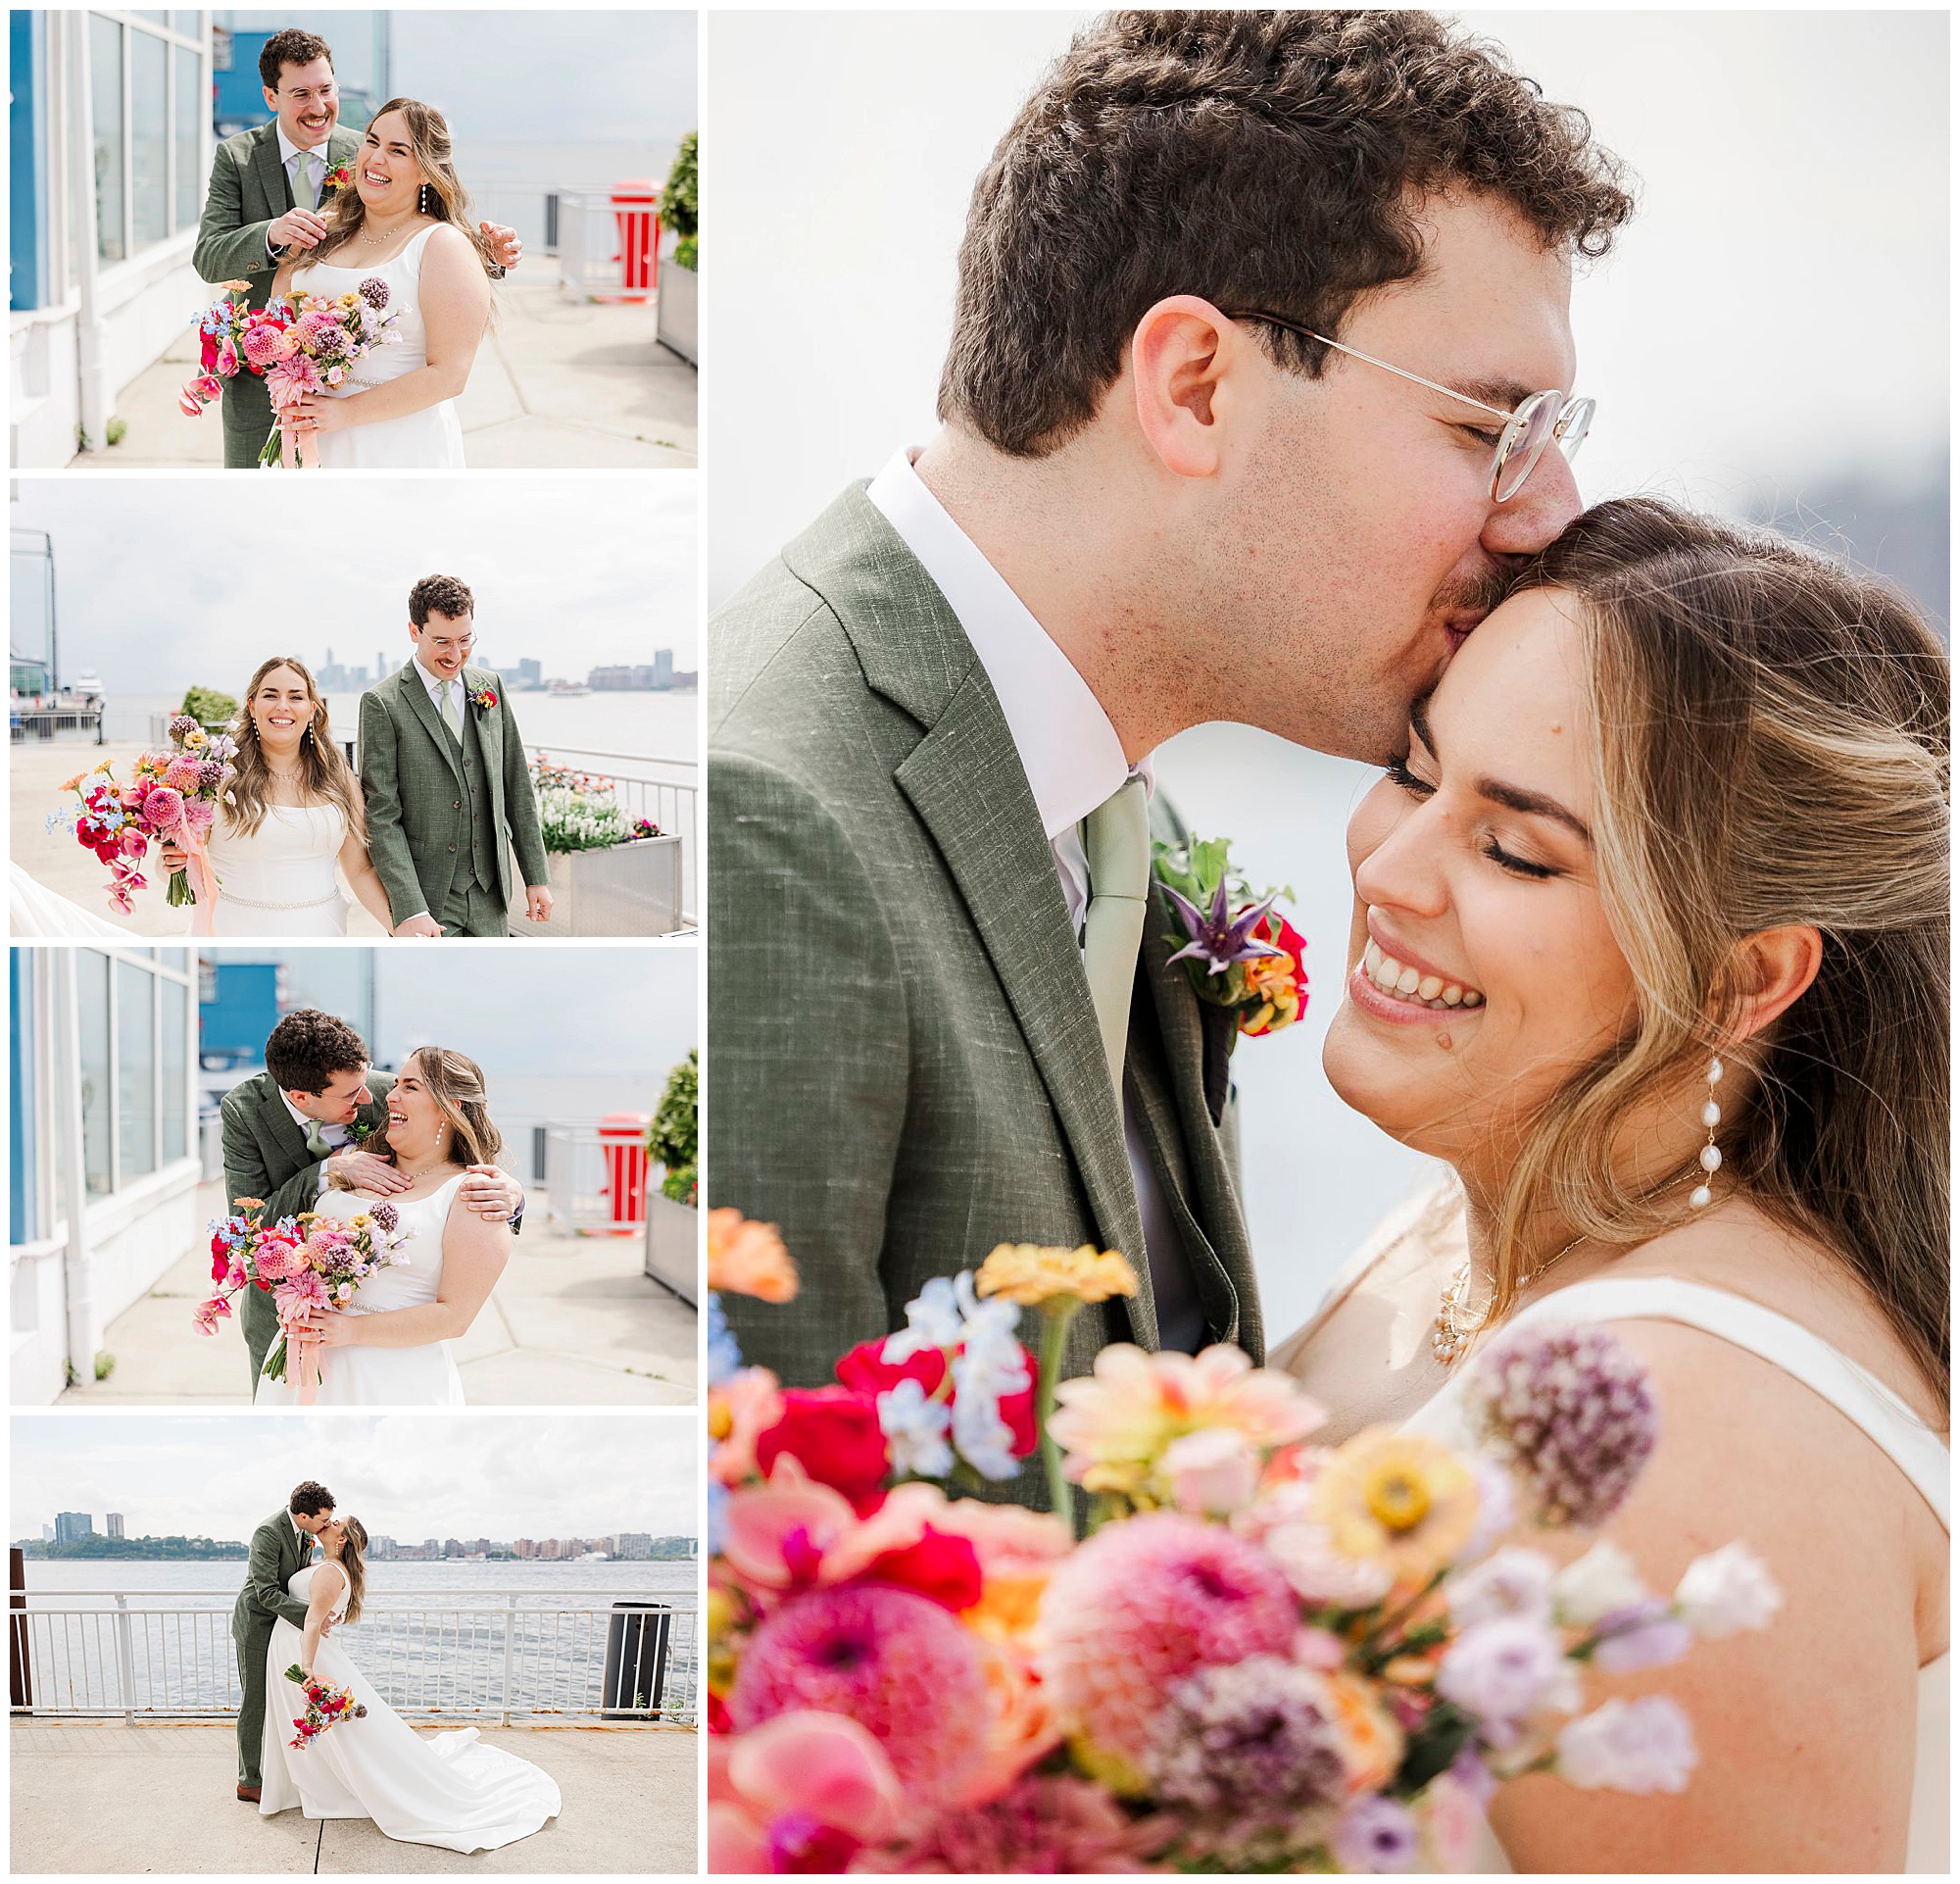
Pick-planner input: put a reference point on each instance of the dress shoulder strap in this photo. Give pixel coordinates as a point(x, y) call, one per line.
point(1863, 1399)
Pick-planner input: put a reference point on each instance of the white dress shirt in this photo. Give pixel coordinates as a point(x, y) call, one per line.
point(337, 1137)
point(437, 687)
point(315, 173)
point(1073, 760)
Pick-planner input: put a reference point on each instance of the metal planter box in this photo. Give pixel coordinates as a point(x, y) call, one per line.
point(674, 1257)
point(630, 889)
point(677, 312)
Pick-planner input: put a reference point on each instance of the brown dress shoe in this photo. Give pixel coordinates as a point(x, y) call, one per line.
point(248, 1793)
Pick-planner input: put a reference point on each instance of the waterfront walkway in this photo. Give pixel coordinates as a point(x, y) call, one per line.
point(99, 1795)
point(556, 384)
point(573, 1321)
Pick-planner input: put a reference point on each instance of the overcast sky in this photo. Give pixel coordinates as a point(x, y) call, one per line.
point(524, 76)
point(406, 1476)
point(162, 579)
point(522, 1009)
point(1777, 315)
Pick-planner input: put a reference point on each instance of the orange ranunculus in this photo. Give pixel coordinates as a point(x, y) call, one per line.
point(747, 1258)
point(1372, 1741)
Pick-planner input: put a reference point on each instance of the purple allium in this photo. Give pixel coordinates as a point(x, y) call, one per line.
point(1376, 1835)
point(1506, 1669)
point(1643, 1746)
point(374, 291)
point(181, 723)
point(1649, 1635)
point(1046, 1824)
point(1256, 1742)
point(386, 1217)
point(895, 1663)
point(1220, 939)
point(210, 775)
point(1571, 1412)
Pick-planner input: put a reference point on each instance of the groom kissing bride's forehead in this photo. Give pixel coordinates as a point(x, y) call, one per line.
point(1259, 390)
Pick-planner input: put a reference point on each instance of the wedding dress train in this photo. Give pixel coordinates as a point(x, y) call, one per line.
point(423, 1376)
point(280, 880)
point(1917, 1451)
point(430, 439)
point(453, 1789)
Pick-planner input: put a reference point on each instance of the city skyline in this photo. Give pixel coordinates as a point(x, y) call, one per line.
point(72, 1527)
point(606, 570)
point(408, 1475)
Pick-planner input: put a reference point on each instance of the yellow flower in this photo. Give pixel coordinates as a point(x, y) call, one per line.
point(1029, 1276)
point(1397, 1498)
point(196, 738)
point(1269, 981)
point(362, 1221)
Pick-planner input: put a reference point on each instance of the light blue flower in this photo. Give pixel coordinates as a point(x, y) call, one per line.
point(914, 1426)
point(723, 1355)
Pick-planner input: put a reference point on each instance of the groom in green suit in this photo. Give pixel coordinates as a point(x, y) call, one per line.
point(281, 1547)
point(267, 201)
point(942, 1011)
point(448, 788)
point(303, 1120)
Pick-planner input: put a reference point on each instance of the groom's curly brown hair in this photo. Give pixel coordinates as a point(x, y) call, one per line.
point(1259, 159)
point(306, 1048)
point(309, 1498)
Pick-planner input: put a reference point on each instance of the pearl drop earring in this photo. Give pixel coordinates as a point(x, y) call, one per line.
point(1711, 1154)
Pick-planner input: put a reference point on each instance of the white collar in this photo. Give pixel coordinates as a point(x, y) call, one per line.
point(299, 1118)
point(1067, 746)
point(288, 150)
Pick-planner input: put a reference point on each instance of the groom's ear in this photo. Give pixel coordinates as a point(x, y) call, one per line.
point(1773, 970)
point(1182, 354)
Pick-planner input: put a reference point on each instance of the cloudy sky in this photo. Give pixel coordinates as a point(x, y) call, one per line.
point(588, 1010)
point(156, 577)
point(406, 1476)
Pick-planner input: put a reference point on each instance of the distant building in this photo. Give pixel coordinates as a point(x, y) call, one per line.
point(609, 679)
point(452, 1547)
point(663, 667)
point(382, 1549)
point(431, 1546)
point(70, 1527)
point(115, 1523)
point(635, 1545)
point(47, 1533)
point(523, 1547)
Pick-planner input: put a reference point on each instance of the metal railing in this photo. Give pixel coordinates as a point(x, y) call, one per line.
point(526, 1653)
point(587, 228)
point(578, 1183)
point(45, 723)
point(671, 804)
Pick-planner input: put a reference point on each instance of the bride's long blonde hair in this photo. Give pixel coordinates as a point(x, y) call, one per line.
point(324, 773)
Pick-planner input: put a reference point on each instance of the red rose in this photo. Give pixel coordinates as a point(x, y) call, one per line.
point(864, 1369)
point(719, 1719)
point(947, 1569)
point(834, 1434)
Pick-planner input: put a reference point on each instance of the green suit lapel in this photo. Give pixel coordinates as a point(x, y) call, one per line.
point(285, 1132)
point(966, 783)
point(409, 686)
point(272, 174)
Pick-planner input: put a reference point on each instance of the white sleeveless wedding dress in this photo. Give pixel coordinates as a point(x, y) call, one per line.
point(423, 1376)
point(452, 1790)
point(280, 879)
point(1871, 1406)
point(427, 440)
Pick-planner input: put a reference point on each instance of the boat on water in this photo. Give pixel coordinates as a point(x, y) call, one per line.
point(86, 686)
point(567, 689)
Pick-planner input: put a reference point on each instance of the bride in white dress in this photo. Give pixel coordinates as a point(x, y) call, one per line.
point(453, 1789)
point(391, 1346)
point(404, 222)
point(1678, 812)
point(293, 812)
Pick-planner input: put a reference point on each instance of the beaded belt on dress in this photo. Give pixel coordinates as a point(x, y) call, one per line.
point(247, 903)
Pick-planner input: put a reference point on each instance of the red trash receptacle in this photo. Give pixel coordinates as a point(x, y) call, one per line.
point(633, 206)
point(622, 1143)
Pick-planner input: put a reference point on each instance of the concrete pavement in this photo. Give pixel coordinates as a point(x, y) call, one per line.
point(556, 384)
point(573, 1321)
point(101, 1796)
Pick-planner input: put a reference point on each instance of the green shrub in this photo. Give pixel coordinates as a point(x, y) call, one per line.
point(681, 201)
point(211, 709)
point(674, 1139)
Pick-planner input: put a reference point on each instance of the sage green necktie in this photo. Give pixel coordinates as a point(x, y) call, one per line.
point(1116, 836)
point(303, 195)
point(451, 718)
point(317, 1140)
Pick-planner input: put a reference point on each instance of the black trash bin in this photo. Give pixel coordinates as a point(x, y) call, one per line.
point(636, 1660)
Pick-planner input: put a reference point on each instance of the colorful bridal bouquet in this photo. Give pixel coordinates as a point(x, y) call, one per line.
point(327, 1707)
point(1267, 1655)
point(305, 343)
point(304, 1262)
point(1241, 954)
point(171, 798)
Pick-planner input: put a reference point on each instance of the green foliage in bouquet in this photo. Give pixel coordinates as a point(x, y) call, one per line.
point(681, 201)
point(211, 709)
point(674, 1139)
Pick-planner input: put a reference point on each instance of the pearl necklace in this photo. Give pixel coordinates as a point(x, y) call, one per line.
point(1454, 1331)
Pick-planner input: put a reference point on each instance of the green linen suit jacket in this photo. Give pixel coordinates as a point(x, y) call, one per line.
point(266, 1157)
point(276, 1555)
point(249, 191)
point(908, 1069)
point(415, 783)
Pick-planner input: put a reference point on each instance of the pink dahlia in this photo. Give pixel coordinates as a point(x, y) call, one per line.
point(263, 345)
point(183, 773)
point(275, 1259)
point(316, 328)
point(1142, 1605)
point(1049, 1824)
point(303, 1291)
point(895, 1663)
point(163, 809)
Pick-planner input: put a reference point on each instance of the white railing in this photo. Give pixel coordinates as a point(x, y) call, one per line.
point(588, 247)
point(671, 804)
point(529, 1654)
point(580, 1192)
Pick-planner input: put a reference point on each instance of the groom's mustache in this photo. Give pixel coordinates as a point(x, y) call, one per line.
point(1478, 593)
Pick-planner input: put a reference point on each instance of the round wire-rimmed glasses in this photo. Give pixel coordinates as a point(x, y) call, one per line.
point(1542, 419)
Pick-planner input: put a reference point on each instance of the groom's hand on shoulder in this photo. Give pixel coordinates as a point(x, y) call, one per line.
point(492, 1194)
point(504, 244)
point(423, 925)
point(537, 903)
point(365, 1172)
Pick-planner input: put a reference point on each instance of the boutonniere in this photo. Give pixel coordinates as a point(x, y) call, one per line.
point(1239, 952)
point(361, 1132)
point(338, 180)
point(484, 698)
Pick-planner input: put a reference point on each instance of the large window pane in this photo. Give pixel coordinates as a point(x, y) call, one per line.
point(24, 1114)
point(176, 1073)
point(105, 70)
point(135, 1069)
point(149, 137)
point(91, 974)
point(190, 109)
point(185, 23)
